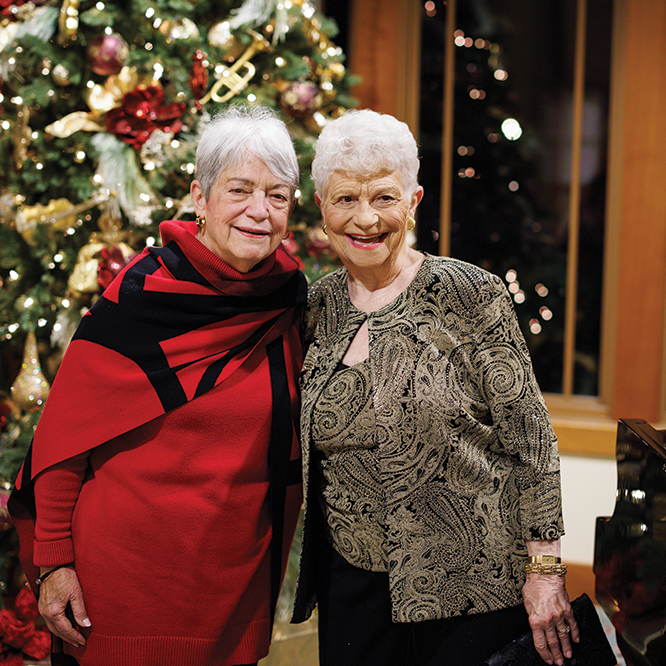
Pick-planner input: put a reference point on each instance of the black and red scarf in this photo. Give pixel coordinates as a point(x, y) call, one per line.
point(159, 336)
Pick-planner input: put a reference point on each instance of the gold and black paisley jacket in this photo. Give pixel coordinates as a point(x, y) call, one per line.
point(468, 457)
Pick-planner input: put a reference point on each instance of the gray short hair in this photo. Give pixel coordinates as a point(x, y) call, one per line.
point(231, 135)
point(364, 142)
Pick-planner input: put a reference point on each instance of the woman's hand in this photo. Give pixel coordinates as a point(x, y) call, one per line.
point(59, 589)
point(551, 617)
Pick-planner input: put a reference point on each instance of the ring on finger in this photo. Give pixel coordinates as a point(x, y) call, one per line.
point(563, 631)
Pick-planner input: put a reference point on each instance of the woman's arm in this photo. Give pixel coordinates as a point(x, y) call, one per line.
point(547, 603)
point(524, 427)
point(56, 491)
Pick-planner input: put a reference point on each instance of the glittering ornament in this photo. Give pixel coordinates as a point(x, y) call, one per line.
point(107, 54)
point(30, 388)
point(141, 113)
point(183, 29)
point(301, 99)
point(111, 263)
point(60, 213)
point(83, 279)
point(198, 76)
point(60, 75)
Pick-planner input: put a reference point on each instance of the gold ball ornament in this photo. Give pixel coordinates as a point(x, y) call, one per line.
point(183, 29)
point(30, 388)
point(60, 75)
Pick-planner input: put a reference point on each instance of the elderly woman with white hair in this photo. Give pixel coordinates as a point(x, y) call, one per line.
point(161, 494)
point(431, 468)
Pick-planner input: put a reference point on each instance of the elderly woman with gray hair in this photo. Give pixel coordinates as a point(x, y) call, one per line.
point(159, 499)
point(433, 509)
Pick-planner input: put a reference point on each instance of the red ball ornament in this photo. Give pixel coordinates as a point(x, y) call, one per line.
point(301, 99)
point(107, 54)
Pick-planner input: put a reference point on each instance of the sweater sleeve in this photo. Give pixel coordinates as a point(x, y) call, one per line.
point(56, 491)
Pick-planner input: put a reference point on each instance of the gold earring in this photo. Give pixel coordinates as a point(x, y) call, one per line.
point(323, 228)
point(411, 223)
point(200, 221)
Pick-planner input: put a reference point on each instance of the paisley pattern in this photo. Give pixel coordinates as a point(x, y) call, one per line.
point(352, 496)
point(467, 457)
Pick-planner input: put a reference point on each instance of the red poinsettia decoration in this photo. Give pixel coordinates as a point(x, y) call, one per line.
point(19, 637)
point(112, 262)
point(141, 113)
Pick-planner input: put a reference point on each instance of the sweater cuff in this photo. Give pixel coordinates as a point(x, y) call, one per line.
point(52, 553)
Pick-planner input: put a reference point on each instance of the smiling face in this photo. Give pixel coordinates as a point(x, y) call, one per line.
point(366, 218)
point(246, 214)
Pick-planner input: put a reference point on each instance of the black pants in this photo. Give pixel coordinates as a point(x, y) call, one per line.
point(355, 627)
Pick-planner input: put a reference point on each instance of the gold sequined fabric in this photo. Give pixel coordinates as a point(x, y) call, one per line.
point(467, 455)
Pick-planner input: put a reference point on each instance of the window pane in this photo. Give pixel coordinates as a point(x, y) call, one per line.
point(512, 162)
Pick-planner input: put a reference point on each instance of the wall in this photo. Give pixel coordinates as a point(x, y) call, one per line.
point(588, 491)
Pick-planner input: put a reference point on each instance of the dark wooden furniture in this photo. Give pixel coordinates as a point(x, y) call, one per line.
point(630, 546)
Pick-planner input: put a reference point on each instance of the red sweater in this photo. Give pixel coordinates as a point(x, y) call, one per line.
point(169, 526)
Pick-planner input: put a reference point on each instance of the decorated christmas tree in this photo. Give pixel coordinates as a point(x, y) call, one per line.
point(101, 105)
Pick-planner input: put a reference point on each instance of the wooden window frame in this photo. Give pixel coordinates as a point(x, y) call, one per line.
point(384, 50)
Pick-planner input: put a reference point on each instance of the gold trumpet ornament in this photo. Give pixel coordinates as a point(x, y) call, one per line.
point(231, 79)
